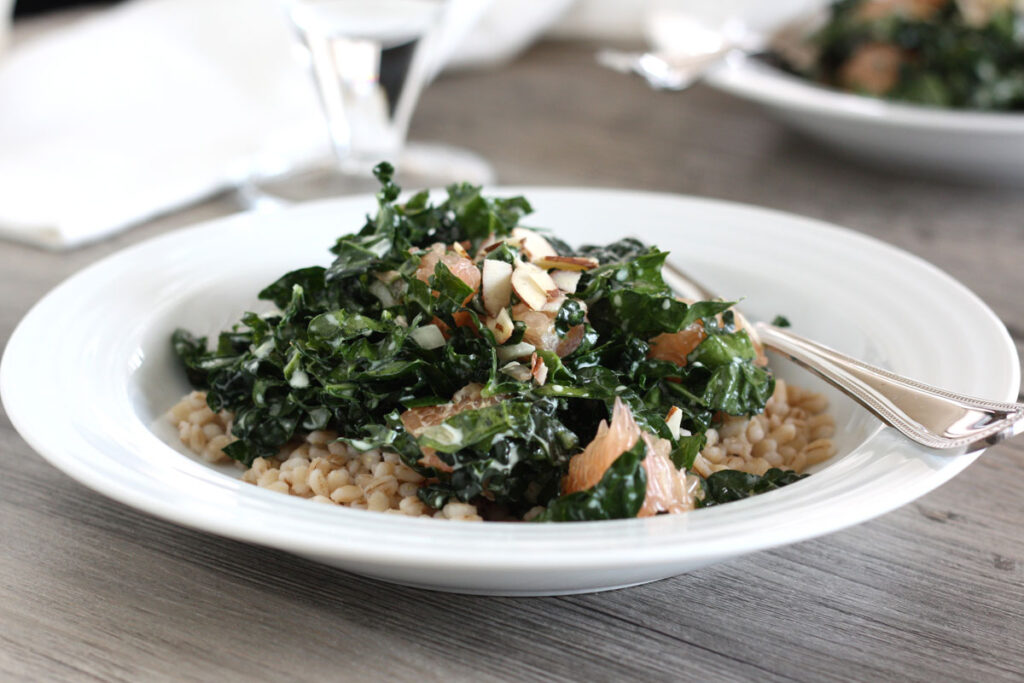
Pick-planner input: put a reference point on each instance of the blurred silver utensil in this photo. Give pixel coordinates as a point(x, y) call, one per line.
point(661, 70)
point(686, 48)
point(931, 416)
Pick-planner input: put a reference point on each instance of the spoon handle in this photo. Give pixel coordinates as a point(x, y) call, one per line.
point(928, 415)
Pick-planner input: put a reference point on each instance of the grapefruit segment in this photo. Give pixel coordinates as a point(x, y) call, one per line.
point(666, 485)
point(541, 333)
point(417, 420)
point(674, 347)
point(460, 266)
point(611, 441)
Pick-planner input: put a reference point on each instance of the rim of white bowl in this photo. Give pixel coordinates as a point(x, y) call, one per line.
point(218, 504)
point(750, 78)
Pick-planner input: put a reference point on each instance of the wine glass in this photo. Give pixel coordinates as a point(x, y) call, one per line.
point(6, 18)
point(370, 60)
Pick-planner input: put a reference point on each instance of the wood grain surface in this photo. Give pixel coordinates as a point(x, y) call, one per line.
point(93, 590)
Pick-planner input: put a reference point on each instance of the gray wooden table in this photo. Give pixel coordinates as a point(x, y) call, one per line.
point(91, 589)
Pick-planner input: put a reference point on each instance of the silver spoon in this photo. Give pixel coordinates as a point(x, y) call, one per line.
point(931, 416)
point(689, 49)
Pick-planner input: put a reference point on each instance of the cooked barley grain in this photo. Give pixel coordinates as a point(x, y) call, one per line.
point(794, 433)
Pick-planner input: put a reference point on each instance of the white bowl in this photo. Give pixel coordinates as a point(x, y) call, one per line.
point(89, 373)
point(977, 147)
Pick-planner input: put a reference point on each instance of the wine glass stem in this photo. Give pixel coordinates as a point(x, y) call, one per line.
point(369, 69)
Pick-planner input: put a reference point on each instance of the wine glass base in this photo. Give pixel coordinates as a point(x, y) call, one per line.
point(427, 164)
point(419, 165)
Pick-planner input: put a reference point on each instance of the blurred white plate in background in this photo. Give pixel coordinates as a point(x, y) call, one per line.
point(976, 147)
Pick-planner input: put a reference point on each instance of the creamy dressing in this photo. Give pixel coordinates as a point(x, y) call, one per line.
point(264, 349)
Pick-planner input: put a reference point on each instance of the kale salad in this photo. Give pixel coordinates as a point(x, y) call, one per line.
point(965, 54)
point(501, 367)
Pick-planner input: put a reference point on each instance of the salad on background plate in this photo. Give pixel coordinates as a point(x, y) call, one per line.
point(960, 54)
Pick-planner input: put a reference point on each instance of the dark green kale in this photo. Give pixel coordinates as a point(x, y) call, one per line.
point(513, 453)
point(338, 354)
point(359, 346)
point(619, 494)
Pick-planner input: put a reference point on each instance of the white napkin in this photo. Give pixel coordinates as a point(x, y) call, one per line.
point(144, 108)
point(154, 104)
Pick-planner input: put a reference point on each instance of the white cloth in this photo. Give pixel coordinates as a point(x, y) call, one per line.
point(144, 108)
point(151, 105)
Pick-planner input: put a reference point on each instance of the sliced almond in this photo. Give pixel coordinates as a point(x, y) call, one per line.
point(533, 285)
point(539, 370)
point(381, 291)
point(554, 303)
point(496, 285)
point(567, 262)
point(515, 351)
point(387, 276)
point(541, 277)
point(501, 326)
point(460, 250)
point(533, 246)
point(567, 280)
point(490, 247)
point(489, 244)
point(517, 371)
point(428, 337)
point(674, 420)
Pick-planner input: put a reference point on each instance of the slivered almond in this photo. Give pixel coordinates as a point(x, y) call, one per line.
point(517, 371)
point(501, 325)
point(460, 250)
point(566, 280)
point(532, 245)
point(496, 285)
point(533, 285)
point(567, 262)
point(538, 370)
